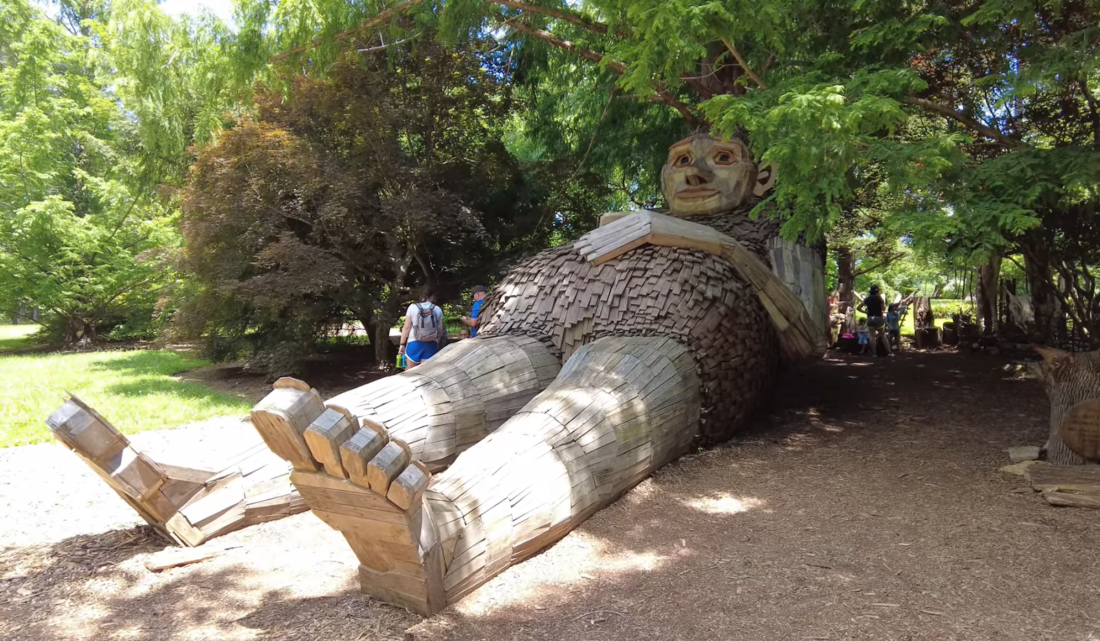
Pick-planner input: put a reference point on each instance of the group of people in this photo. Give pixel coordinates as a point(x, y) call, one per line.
point(424, 333)
point(883, 323)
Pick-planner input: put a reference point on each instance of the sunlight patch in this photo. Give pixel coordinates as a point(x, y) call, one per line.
point(556, 576)
point(723, 503)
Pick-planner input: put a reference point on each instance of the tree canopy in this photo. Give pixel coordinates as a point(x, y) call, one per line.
point(343, 197)
point(965, 131)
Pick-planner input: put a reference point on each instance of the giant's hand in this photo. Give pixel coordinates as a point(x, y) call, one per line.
point(798, 335)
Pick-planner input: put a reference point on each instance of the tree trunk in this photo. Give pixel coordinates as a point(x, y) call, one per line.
point(988, 276)
point(1050, 323)
point(846, 282)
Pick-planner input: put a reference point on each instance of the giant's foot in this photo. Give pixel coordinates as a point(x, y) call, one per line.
point(365, 484)
point(186, 504)
point(620, 409)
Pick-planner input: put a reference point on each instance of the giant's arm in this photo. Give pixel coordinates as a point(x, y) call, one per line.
point(619, 234)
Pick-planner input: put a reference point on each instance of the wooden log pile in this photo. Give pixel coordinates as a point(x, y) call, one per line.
point(187, 505)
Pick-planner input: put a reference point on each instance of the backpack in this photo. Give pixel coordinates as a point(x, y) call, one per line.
point(425, 326)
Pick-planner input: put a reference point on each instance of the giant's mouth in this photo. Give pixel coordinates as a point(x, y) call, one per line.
point(698, 192)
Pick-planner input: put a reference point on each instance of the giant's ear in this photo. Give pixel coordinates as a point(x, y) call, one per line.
point(765, 180)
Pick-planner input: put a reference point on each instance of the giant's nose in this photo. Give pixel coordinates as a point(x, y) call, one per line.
point(699, 174)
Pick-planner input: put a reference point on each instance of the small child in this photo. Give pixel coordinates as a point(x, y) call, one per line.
point(864, 337)
point(463, 334)
point(893, 325)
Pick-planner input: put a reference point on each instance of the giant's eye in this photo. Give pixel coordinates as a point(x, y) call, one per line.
point(683, 161)
point(724, 157)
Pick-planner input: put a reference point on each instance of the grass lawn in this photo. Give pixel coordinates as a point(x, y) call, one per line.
point(135, 390)
point(16, 336)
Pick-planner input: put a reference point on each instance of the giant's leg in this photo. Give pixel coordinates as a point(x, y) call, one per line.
point(439, 409)
point(620, 409)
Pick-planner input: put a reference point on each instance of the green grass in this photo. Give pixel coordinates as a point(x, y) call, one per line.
point(908, 325)
point(16, 336)
point(135, 390)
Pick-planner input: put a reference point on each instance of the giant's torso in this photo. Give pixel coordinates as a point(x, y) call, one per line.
point(689, 295)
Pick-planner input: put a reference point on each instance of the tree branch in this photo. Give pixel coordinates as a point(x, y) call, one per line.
point(662, 94)
point(566, 16)
point(1094, 112)
point(883, 263)
point(741, 61)
point(366, 24)
point(962, 118)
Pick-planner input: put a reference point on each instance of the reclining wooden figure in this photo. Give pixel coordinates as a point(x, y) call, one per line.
point(596, 363)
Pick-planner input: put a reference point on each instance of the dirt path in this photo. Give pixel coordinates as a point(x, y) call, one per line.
point(864, 504)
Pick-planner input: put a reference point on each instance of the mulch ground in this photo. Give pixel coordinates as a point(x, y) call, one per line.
point(864, 503)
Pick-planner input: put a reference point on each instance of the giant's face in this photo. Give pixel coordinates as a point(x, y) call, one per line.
point(704, 175)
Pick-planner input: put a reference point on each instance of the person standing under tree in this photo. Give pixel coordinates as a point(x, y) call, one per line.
point(424, 322)
point(472, 320)
point(875, 309)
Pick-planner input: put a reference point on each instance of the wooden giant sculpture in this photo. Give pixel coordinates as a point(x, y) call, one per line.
point(596, 363)
point(1072, 381)
point(186, 504)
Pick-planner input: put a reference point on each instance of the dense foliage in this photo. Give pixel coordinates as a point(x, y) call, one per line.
point(80, 236)
point(963, 135)
point(340, 199)
point(976, 121)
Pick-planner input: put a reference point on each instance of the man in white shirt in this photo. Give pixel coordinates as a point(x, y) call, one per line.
point(424, 323)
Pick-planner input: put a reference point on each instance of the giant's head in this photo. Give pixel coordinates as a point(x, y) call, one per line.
point(704, 175)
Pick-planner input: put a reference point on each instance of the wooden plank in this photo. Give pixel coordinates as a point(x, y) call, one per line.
point(1068, 499)
point(1077, 479)
point(375, 530)
point(346, 494)
point(82, 429)
point(180, 558)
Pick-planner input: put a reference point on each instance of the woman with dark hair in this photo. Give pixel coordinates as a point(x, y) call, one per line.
point(424, 324)
point(875, 308)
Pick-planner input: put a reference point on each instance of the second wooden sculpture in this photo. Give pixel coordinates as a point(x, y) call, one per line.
point(596, 363)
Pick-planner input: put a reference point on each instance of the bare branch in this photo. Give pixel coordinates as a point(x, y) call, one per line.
point(390, 44)
point(962, 118)
point(741, 61)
